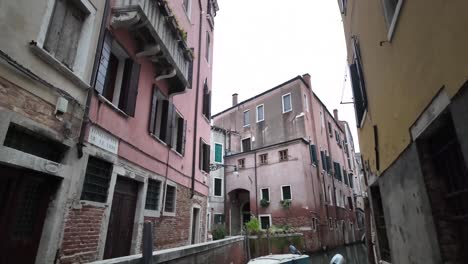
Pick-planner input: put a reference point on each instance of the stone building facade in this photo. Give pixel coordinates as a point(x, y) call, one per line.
point(287, 165)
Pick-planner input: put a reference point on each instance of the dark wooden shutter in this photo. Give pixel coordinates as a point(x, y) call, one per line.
point(190, 73)
point(313, 154)
point(131, 79)
point(103, 63)
point(208, 107)
point(200, 154)
point(170, 123)
point(324, 162)
point(207, 158)
point(164, 120)
point(184, 138)
point(153, 109)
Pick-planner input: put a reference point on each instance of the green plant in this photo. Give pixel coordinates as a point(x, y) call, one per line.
point(286, 203)
point(264, 203)
point(219, 232)
point(253, 226)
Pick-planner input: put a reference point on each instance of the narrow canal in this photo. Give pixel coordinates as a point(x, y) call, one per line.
point(354, 254)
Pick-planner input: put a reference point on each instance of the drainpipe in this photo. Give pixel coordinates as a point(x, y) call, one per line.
point(333, 173)
point(97, 59)
point(256, 185)
point(225, 133)
point(195, 121)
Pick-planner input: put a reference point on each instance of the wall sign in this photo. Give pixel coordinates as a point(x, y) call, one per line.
point(102, 139)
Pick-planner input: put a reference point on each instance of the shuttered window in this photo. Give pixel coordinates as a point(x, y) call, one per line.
point(97, 180)
point(118, 76)
point(350, 177)
point(337, 168)
point(313, 154)
point(64, 31)
point(345, 177)
point(204, 157)
point(218, 187)
point(178, 132)
point(206, 102)
point(329, 166)
point(169, 205)
point(218, 152)
point(358, 84)
point(153, 195)
point(324, 161)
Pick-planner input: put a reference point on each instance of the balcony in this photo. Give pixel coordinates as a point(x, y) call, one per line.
point(161, 39)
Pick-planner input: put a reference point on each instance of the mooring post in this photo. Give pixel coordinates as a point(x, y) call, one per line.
point(147, 243)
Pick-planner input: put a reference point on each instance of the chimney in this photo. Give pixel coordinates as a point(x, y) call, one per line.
point(234, 99)
point(306, 78)
point(335, 114)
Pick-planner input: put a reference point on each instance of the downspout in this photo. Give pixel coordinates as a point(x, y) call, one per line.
point(195, 121)
point(224, 183)
point(97, 59)
point(256, 186)
point(333, 175)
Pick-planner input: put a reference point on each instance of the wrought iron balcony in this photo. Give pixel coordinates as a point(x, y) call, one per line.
point(162, 40)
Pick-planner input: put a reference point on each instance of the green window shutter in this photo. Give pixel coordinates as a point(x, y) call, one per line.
point(218, 153)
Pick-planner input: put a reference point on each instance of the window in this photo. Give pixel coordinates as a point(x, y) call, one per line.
point(379, 218)
point(169, 205)
point(351, 184)
point(343, 4)
point(97, 180)
point(246, 144)
point(337, 168)
point(265, 222)
point(218, 153)
point(153, 195)
point(330, 223)
point(283, 155)
point(265, 194)
point(64, 31)
point(246, 118)
point(330, 194)
point(263, 159)
point(241, 163)
point(322, 119)
point(315, 224)
point(345, 176)
point(306, 103)
point(391, 12)
point(218, 187)
point(206, 101)
point(329, 167)
point(260, 113)
point(204, 156)
point(313, 154)
point(324, 160)
point(330, 130)
point(219, 219)
point(350, 203)
point(286, 192)
point(287, 106)
point(208, 48)
point(188, 7)
point(178, 133)
point(358, 85)
point(118, 76)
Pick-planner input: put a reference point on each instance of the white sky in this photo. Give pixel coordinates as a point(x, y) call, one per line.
point(259, 44)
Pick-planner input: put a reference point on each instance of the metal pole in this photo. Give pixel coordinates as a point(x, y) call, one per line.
point(268, 240)
point(147, 243)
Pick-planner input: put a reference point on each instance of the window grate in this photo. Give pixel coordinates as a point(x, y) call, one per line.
point(97, 180)
point(153, 195)
point(170, 199)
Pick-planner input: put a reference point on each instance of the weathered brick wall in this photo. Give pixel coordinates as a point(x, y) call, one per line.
point(310, 237)
point(170, 231)
point(18, 100)
point(81, 235)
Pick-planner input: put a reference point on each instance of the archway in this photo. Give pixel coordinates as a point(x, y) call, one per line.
point(239, 210)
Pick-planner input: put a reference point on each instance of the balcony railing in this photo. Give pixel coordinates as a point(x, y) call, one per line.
point(164, 42)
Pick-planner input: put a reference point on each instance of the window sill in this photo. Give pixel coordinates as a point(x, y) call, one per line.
point(206, 119)
point(289, 111)
point(48, 58)
point(92, 203)
point(158, 139)
point(152, 213)
point(115, 108)
point(175, 151)
point(173, 214)
point(246, 126)
point(259, 121)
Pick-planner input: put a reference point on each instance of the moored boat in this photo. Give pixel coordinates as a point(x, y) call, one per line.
point(281, 258)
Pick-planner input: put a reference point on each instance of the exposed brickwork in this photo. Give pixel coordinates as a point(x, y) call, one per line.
point(81, 235)
point(18, 100)
point(170, 231)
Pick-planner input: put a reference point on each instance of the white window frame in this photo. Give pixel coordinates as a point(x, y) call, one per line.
point(306, 103)
point(85, 45)
point(149, 212)
point(256, 112)
point(260, 219)
point(222, 153)
point(392, 24)
point(214, 187)
point(165, 197)
point(290, 102)
point(290, 189)
point(243, 118)
point(188, 9)
point(261, 193)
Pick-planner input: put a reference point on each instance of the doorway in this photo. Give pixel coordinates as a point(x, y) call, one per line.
point(120, 229)
point(195, 225)
point(24, 199)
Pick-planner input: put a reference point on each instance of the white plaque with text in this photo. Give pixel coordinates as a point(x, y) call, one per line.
point(103, 140)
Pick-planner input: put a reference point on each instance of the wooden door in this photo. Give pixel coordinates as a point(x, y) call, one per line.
point(120, 229)
point(24, 199)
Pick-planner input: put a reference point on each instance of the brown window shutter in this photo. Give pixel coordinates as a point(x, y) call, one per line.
point(208, 107)
point(131, 86)
point(104, 63)
point(184, 138)
point(170, 124)
point(154, 106)
point(207, 159)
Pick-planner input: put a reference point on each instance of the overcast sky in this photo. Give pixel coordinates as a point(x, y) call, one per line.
point(259, 44)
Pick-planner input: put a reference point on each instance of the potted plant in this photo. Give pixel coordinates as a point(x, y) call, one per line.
point(264, 203)
point(286, 203)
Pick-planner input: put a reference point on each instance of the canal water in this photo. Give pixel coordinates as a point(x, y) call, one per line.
point(354, 254)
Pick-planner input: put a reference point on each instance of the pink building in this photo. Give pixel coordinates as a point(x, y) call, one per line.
point(291, 165)
point(145, 150)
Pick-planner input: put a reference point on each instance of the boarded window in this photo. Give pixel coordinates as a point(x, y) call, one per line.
point(283, 155)
point(287, 106)
point(218, 152)
point(247, 118)
point(218, 187)
point(64, 31)
point(265, 192)
point(265, 222)
point(246, 144)
point(169, 205)
point(97, 180)
point(286, 193)
point(219, 219)
point(153, 195)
